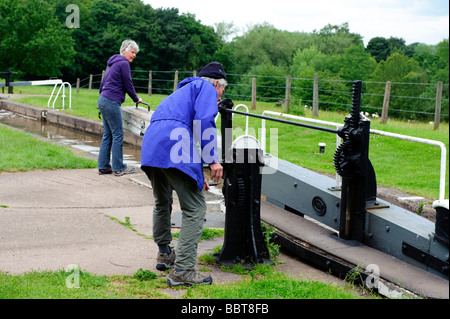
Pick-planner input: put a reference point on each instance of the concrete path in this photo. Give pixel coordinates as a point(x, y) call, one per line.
point(50, 220)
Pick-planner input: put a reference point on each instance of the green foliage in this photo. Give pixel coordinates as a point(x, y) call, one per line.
point(207, 233)
point(210, 233)
point(33, 41)
point(261, 283)
point(53, 285)
point(400, 69)
point(271, 82)
point(334, 39)
point(36, 42)
point(144, 275)
point(274, 249)
point(272, 285)
point(24, 152)
point(378, 47)
point(263, 44)
point(356, 63)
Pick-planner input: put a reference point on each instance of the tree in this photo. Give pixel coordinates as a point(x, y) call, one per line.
point(425, 55)
point(378, 47)
point(306, 64)
point(225, 30)
point(399, 69)
point(271, 81)
point(262, 44)
point(356, 64)
point(308, 57)
point(203, 43)
point(442, 69)
point(396, 45)
point(166, 39)
point(334, 39)
point(33, 41)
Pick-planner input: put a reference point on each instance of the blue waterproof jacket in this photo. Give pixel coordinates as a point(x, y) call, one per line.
point(182, 133)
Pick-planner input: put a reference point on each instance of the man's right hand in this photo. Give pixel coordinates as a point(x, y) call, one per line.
point(216, 172)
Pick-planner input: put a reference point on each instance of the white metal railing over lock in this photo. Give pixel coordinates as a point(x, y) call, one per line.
point(63, 87)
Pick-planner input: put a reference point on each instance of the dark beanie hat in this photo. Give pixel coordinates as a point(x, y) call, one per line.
point(213, 70)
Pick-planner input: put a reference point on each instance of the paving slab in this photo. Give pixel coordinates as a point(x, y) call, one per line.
point(52, 239)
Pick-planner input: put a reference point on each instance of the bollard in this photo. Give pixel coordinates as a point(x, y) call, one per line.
point(244, 242)
point(8, 79)
point(322, 148)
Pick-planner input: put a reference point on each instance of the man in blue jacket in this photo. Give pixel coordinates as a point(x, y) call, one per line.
point(182, 135)
point(115, 84)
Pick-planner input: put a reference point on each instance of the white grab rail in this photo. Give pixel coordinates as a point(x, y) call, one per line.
point(63, 87)
point(246, 118)
point(424, 141)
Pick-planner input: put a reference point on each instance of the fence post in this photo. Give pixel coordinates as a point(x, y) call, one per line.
point(316, 96)
point(254, 93)
point(437, 113)
point(150, 79)
point(387, 95)
point(287, 97)
point(194, 74)
point(175, 81)
point(90, 83)
point(103, 74)
point(78, 85)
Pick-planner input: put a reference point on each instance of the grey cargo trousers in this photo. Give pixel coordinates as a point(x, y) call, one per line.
point(193, 207)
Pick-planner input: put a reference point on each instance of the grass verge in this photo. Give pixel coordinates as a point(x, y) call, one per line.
point(261, 283)
point(24, 152)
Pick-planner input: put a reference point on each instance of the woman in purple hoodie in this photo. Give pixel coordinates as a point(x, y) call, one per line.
point(115, 84)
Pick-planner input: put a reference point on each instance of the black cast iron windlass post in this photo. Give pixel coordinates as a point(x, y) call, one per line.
point(244, 242)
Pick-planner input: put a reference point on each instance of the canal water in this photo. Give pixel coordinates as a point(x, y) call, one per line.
point(85, 142)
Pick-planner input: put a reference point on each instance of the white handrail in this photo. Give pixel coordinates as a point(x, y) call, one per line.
point(246, 118)
point(63, 86)
point(424, 141)
point(51, 95)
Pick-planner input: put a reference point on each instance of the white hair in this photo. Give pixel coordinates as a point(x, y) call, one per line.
point(222, 82)
point(127, 45)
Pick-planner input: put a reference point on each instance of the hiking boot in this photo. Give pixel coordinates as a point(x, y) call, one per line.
point(105, 171)
point(164, 261)
point(187, 278)
point(128, 170)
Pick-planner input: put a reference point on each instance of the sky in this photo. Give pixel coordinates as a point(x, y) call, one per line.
point(425, 21)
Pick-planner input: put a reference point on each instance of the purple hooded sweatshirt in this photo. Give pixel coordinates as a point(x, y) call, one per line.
point(117, 80)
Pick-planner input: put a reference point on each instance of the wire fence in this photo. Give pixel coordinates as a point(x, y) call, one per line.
point(412, 101)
